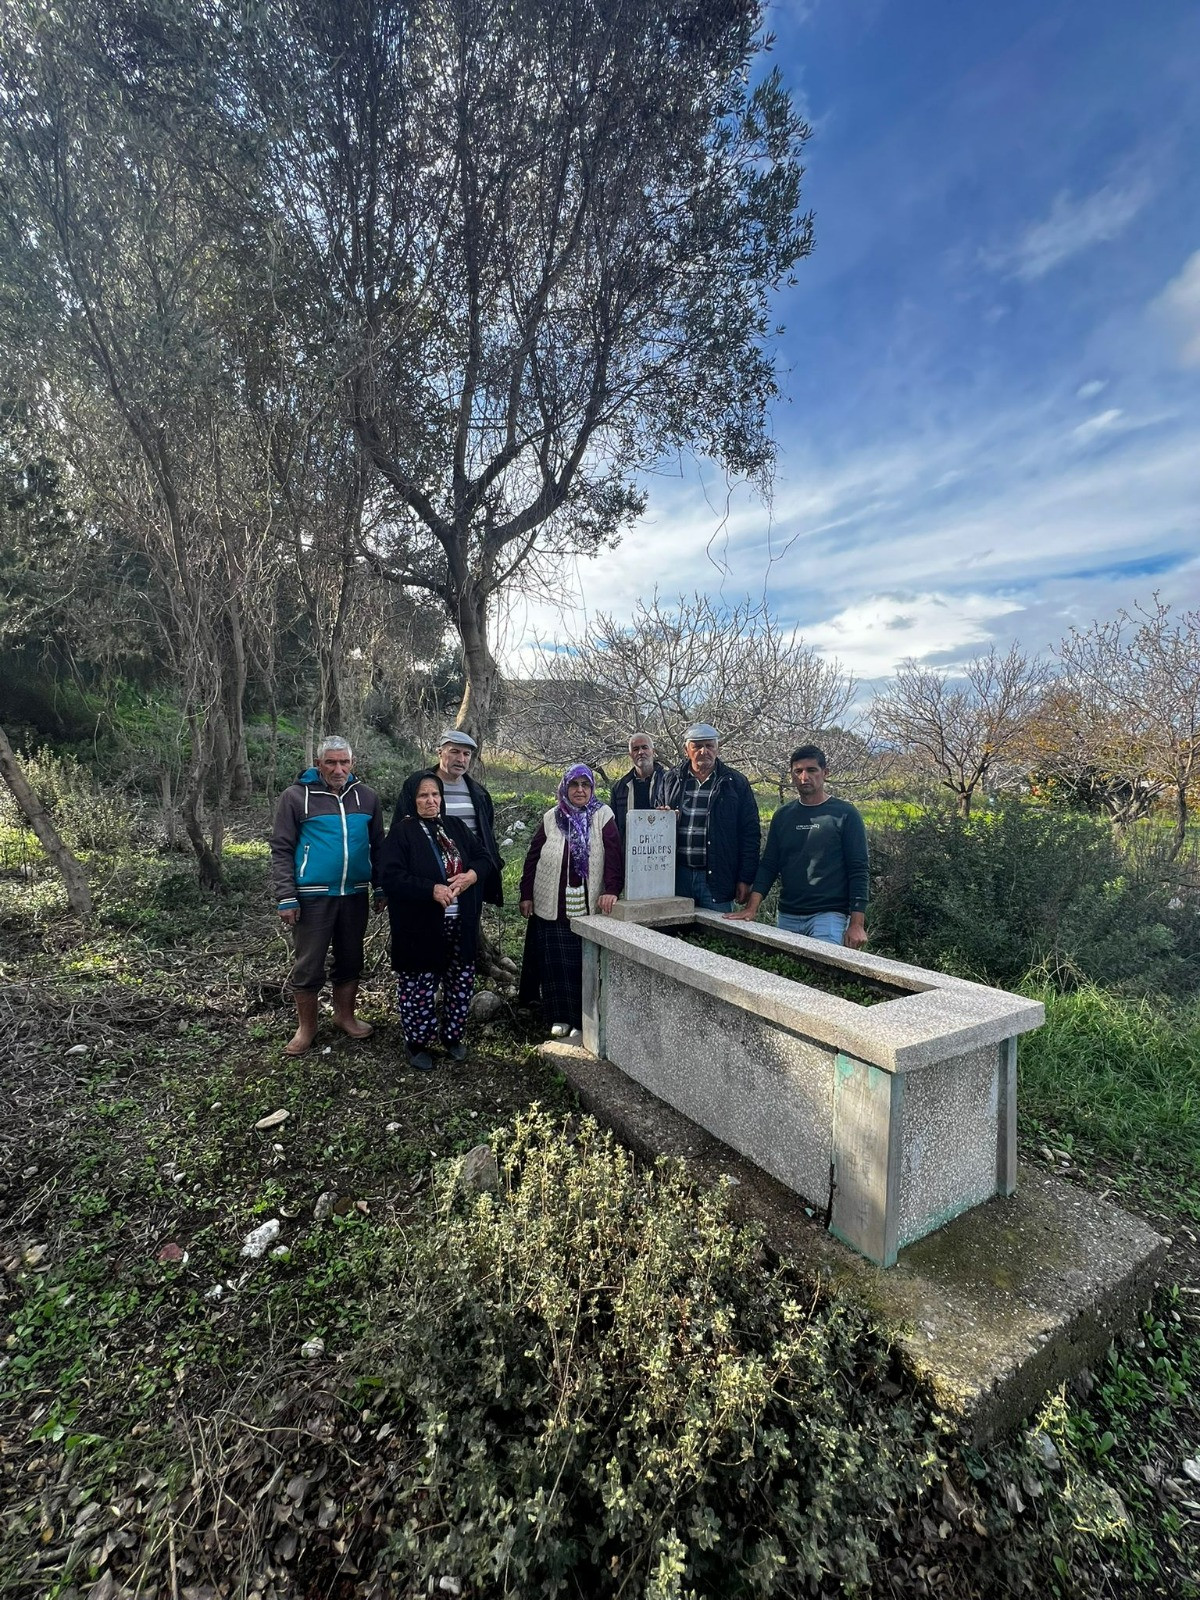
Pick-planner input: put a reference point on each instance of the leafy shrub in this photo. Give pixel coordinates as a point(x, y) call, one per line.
point(87, 815)
point(994, 895)
point(614, 1393)
point(275, 755)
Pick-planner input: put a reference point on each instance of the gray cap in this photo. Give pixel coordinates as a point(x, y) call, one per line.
point(700, 730)
point(457, 736)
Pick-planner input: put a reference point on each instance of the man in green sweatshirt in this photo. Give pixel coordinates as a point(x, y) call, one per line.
point(817, 848)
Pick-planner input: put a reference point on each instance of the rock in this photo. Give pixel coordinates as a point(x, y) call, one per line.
point(312, 1348)
point(479, 1173)
point(519, 827)
point(506, 844)
point(1192, 1469)
point(485, 1005)
point(1046, 1448)
point(281, 1253)
point(257, 1240)
point(78, 1050)
point(393, 1127)
point(449, 1584)
point(271, 1120)
point(215, 1293)
point(324, 1206)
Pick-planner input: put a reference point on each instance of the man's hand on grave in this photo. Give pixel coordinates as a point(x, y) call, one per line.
point(856, 931)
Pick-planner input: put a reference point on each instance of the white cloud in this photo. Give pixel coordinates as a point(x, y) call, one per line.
point(872, 636)
point(1072, 225)
point(1179, 307)
point(933, 547)
point(1103, 422)
point(1090, 389)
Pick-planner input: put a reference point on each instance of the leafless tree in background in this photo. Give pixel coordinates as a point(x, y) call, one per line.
point(694, 661)
point(1135, 687)
point(966, 727)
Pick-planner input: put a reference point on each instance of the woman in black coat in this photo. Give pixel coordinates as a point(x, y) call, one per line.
point(430, 872)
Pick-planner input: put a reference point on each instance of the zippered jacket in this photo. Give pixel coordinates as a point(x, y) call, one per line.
point(325, 843)
point(734, 830)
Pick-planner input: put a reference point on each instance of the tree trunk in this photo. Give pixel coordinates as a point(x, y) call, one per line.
point(190, 804)
point(74, 878)
point(481, 695)
point(330, 714)
point(170, 828)
point(1179, 832)
point(233, 681)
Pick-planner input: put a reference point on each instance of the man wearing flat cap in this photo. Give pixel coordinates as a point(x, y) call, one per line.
point(465, 799)
point(718, 835)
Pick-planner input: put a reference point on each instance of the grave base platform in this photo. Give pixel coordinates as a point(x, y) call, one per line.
point(992, 1311)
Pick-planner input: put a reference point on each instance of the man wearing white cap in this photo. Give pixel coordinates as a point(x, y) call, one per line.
point(719, 833)
point(465, 799)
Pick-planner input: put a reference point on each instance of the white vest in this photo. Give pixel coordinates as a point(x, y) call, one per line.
point(549, 867)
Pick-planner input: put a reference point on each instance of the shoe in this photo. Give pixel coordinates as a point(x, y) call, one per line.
point(421, 1060)
point(575, 1035)
point(457, 1052)
point(560, 1030)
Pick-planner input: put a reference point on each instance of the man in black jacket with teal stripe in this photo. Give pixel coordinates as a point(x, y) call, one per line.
point(325, 849)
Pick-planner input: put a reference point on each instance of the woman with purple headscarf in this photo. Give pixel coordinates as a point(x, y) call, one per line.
point(574, 868)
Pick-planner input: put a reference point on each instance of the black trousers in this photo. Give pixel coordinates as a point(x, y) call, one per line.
point(329, 921)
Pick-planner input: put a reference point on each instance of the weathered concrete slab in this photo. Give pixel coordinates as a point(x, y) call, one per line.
point(654, 913)
point(938, 1017)
point(992, 1311)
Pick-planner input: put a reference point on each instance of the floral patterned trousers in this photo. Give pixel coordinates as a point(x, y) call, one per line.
point(416, 998)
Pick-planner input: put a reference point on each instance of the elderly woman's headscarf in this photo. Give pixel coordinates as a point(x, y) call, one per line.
point(435, 827)
point(575, 821)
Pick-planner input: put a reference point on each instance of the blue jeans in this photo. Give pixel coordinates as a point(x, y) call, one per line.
point(827, 925)
point(693, 882)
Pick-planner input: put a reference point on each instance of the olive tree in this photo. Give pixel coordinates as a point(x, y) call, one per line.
point(540, 244)
point(126, 308)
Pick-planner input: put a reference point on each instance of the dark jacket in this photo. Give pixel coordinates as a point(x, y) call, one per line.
point(734, 829)
point(485, 818)
point(325, 842)
point(621, 795)
point(410, 865)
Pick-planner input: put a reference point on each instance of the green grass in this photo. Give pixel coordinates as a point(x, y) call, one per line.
point(1121, 1076)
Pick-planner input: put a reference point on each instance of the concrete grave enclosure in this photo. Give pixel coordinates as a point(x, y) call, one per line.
point(890, 1119)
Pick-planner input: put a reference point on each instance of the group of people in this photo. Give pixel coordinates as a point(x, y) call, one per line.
point(438, 865)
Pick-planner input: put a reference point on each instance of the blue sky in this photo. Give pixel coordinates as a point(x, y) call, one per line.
point(989, 425)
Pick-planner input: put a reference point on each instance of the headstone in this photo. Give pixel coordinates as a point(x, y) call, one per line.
point(649, 855)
